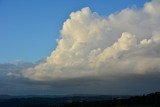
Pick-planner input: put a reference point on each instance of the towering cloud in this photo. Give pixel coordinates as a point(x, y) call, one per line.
point(97, 47)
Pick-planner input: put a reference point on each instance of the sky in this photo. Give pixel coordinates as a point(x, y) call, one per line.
point(29, 28)
point(79, 47)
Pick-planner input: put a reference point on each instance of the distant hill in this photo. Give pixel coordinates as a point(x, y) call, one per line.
point(150, 100)
point(5, 96)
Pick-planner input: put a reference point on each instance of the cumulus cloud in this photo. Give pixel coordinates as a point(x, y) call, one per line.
point(93, 46)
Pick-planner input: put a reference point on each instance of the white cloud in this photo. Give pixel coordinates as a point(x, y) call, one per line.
point(94, 46)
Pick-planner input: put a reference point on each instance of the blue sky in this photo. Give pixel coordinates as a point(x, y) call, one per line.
point(29, 28)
